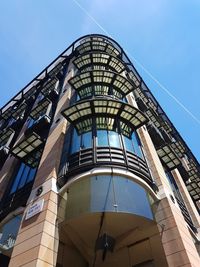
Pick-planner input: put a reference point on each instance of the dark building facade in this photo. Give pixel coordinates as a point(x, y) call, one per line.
point(93, 172)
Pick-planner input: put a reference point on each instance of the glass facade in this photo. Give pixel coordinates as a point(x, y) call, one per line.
point(8, 233)
point(24, 175)
point(105, 138)
point(107, 193)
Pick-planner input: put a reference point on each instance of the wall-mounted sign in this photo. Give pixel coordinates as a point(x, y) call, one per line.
point(34, 209)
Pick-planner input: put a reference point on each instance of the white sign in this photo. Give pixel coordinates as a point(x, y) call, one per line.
point(34, 209)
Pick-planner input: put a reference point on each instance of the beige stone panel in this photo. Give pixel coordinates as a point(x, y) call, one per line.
point(187, 198)
point(154, 161)
point(178, 259)
point(54, 197)
point(168, 223)
point(163, 214)
point(47, 255)
point(30, 264)
point(37, 263)
point(41, 263)
point(187, 265)
point(173, 246)
point(24, 258)
point(49, 163)
point(170, 234)
point(162, 204)
point(193, 260)
point(26, 224)
point(49, 241)
point(51, 216)
point(6, 173)
point(29, 233)
point(52, 206)
point(50, 159)
point(50, 228)
point(27, 245)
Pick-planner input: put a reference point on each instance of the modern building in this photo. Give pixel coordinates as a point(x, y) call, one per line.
point(93, 172)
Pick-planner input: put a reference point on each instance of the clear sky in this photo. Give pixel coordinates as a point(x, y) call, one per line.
point(163, 35)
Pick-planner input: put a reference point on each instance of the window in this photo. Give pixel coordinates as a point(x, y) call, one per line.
point(179, 199)
point(86, 140)
point(108, 193)
point(8, 235)
point(133, 144)
point(102, 138)
point(105, 137)
point(114, 139)
point(80, 141)
point(25, 174)
point(76, 141)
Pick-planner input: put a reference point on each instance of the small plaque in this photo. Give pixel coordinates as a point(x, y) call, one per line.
point(34, 209)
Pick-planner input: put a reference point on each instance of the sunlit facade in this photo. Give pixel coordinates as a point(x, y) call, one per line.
point(92, 171)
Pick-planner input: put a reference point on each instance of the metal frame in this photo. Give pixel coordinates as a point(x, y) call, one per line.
point(80, 114)
point(99, 58)
point(97, 45)
point(49, 86)
point(5, 136)
point(39, 108)
point(33, 87)
point(109, 82)
point(169, 158)
point(89, 158)
point(27, 145)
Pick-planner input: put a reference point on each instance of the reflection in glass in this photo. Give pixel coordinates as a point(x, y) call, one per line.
point(102, 138)
point(136, 144)
point(132, 144)
point(105, 137)
point(114, 139)
point(86, 141)
point(76, 141)
point(25, 174)
point(9, 233)
point(107, 193)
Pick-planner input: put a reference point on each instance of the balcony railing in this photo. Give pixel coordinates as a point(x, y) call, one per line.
point(89, 158)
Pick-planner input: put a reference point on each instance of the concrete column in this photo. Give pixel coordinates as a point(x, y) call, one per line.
point(175, 235)
point(37, 240)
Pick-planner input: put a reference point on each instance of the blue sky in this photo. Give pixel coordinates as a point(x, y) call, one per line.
point(163, 35)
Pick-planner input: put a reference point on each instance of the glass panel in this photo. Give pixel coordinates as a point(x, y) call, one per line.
point(114, 139)
point(24, 177)
point(86, 140)
point(131, 197)
point(107, 193)
point(102, 138)
point(9, 233)
point(31, 175)
point(136, 145)
point(133, 145)
point(128, 144)
point(75, 142)
point(101, 190)
point(17, 178)
point(30, 122)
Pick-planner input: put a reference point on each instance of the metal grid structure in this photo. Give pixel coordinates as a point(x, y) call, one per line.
point(81, 113)
point(40, 108)
point(100, 58)
point(27, 145)
point(107, 45)
point(101, 82)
